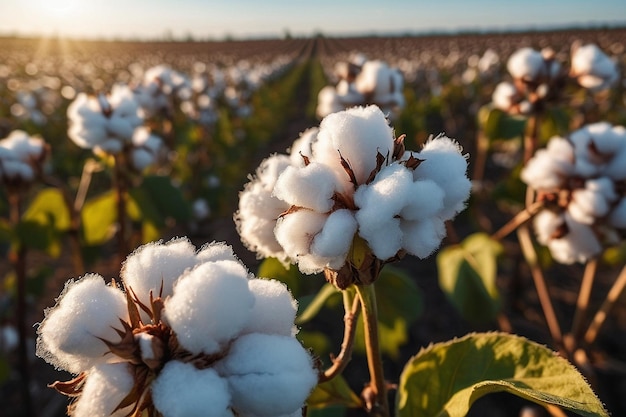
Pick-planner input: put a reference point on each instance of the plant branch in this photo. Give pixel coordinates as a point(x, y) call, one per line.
point(119, 183)
point(350, 319)
point(600, 317)
point(583, 297)
point(379, 407)
point(520, 218)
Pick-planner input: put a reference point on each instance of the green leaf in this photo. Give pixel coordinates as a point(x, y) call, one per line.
point(166, 198)
point(445, 379)
point(333, 392)
point(399, 304)
point(99, 216)
point(272, 268)
point(49, 208)
point(467, 275)
point(318, 342)
point(310, 309)
point(496, 124)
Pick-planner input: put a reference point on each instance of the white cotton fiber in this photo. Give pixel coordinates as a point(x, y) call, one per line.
point(211, 304)
point(586, 205)
point(383, 236)
point(358, 134)
point(335, 238)
point(268, 375)
point(86, 310)
point(422, 238)
point(424, 200)
point(579, 244)
point(106, 386)
point(312, 186)
point(274, 308)
point(617, 218)
point(216, 251)
point(303, 146)
point(545, 223)
point(526, 63)
point(295, 231)
point(182, 390)
point(156, 264)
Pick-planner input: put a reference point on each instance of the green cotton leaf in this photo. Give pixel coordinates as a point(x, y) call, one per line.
point(310, 309)
point(98, 218)
point(318, 342)
point(467, 275)
point(49, 208)
point(333, 392)
point(34, 235)
point(497, 124)
point(166, 198)
point(272, 268)
point(397, 295)
point(445, 379)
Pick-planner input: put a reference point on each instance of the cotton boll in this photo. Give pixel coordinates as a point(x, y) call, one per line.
point(422, 238)
point(274, 308)
point(385, 196)
point(268, 375)
point(210, 305)
point(335, 238)
point(384, 237)
point(579, 244)
point(312, 187)
point(303, 147)
point(546, 223)
point(86, 311)
point(526, 64)
point(328, 102)
point(157, 265)
point(295, 231)
point(587, 205)
point(182, 390)
point(358, 135)
point(105, 387)
point(504, 95)
point(424, 200)
point(216, 251)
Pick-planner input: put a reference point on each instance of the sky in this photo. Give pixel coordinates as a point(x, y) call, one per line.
point(215, 19)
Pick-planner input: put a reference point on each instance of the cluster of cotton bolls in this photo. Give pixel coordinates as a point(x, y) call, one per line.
point(539, 77)
point(363, 82)
point(582, 180)
point(192, 333)
point(113, 124)
point(347, 180)
point(157, 88)
point(21, 158)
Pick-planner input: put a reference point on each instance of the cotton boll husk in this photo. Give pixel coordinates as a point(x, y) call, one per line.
point(444, 164)
point(295, 231)
point(86, 310)
point(545, 223)
point(182, 390)
point(335, 238)
point(268, 375)
point(210, 305)
point(358, 135)
point(303, 147)
point(312, 187)
point(274, 308)
point(422, 238)
point(106, 386)
point(155, 265)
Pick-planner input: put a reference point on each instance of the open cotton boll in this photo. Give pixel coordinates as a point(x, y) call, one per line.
point(303, 147)
point(312, 186)
point(211, 304)
point(274, 308)
point(422, 238)
point(503, 96)
point(106, 386)
point(587, 205)
point(335, 238)
point(268, 375)
point(182, 390)
point(546, 223)
point(425, 200)
point(358, 135)
point(526, 64)
point(86, 311)
point(155, 265)
point(579, 244)
point(295, 231)
point(216, 251)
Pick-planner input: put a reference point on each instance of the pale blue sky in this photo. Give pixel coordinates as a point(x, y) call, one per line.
point(244, 18)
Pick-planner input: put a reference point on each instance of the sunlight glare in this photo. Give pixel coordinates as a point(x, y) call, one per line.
point(60, 8)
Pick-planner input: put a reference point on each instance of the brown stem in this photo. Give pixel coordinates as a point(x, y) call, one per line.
point(378, 387)
point(341, 361)
point(600, 317)
point(530, 255)
point(583, 297)
point(519, 219)
point(17, 257)
point(482, 148)
point(119, 183)
point(531, 137)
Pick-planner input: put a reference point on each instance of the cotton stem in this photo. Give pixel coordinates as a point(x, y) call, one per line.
point(521, 218)
point(119, 182)
point(611, 298)
point(583, 296)
point(379, 406)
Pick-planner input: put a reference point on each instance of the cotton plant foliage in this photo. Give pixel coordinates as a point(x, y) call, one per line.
point(349, 180)
point(581, 181)
point(183, 332)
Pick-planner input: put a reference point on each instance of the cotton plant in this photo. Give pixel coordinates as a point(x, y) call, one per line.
point(22, 158)
point(352, 181)
point(159, 88)
point(363, 82)
point(184, 332)
point(580, 178)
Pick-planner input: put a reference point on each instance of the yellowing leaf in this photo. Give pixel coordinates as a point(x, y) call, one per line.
point(445, 379)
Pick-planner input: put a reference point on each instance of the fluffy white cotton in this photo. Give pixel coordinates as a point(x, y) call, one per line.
point(504, 95)
point(268, 375)
point(146, 147)
point(303, 147)
point(335, 238)
point(295, 231)
point(546, 223)
point(579, 244)
point(549, 167)
point(592, 68)
point(182, 390)
point(446, 166)
point(211, 304)
point(259, 209)
point(274, 308)
point(157, 264)
point(526, 64)
point(357, 135)
point(106, 386)
point(86, 310)
point(216, 251)
point(422, 238)
point(312, 186)
point(20, 156)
